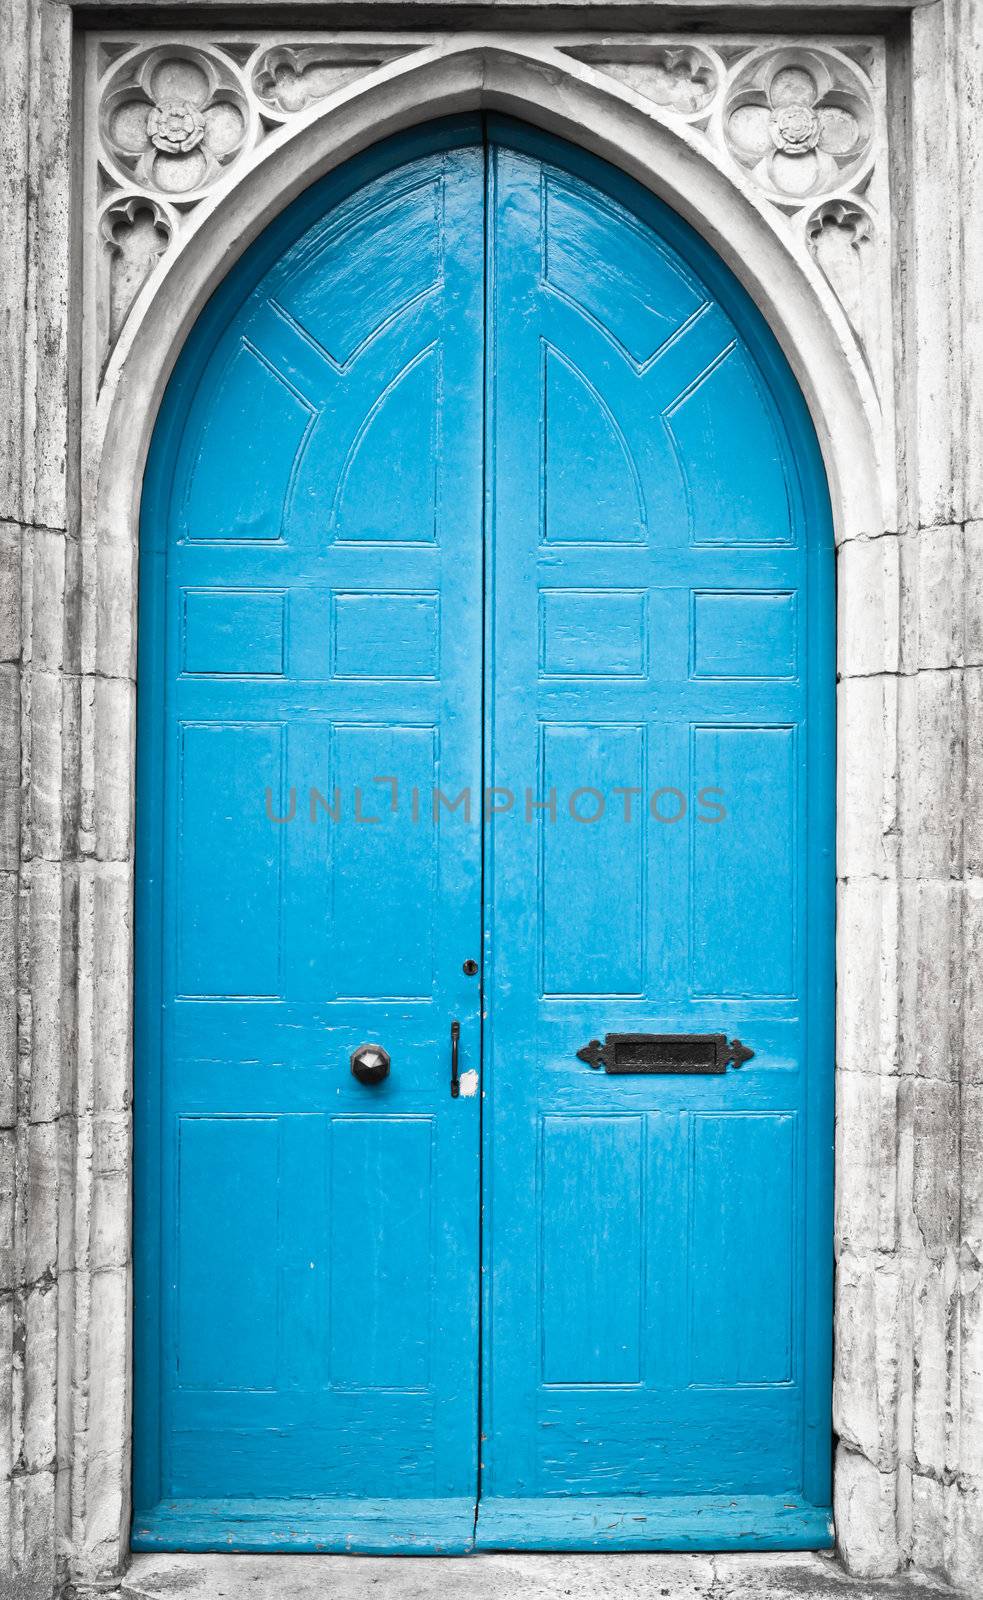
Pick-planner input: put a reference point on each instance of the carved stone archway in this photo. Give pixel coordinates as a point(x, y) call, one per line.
point(529, 78)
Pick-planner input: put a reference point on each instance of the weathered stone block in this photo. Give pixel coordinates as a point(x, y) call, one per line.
point(932, 589)
point(932, 966)
point(928, 1165)
point(964, 1551)
point(867, 799)
point(10, 775)
point(868, 1332)
point(47, 621)
point(49, 1001)
point(867, 976)
point(33, 1508)
point(71, 762)
point(39, 1186)
point(8, 1198)
point(109, 1244)
point(971, 1137)
point(9, 910)
point(107, 723)
point(864, 1511)
point(935, 1315)
point(40, 1363)
point(106, 1465)
point(931, 766)
point(46, 437)
point(45, 786)
point(972, 809)
point(105, 985)
point(868, 607)
point(971, 599)
point(929, 1508)
point(970, 1372)
point(10, 587)
point(14, 58)
point(6, 1429)
point(968, 61)
point(866, 1161)
point(109, 605)
point(933, 351)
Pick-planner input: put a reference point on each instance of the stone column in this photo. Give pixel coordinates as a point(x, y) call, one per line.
point(909, 1476)
point(39, 715)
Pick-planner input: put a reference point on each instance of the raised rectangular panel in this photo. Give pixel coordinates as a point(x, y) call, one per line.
point(228, 859)
point(743, 902)
point(227, 1252)
point(233, 632)
point(381, 1251)
point(376, 635)
point(741, 1248)
point(593, 633)
point(383, 871)
point(592, 872)
point(592, 1249)
point(302, 1212)
point(743, 634)
point(247, 453)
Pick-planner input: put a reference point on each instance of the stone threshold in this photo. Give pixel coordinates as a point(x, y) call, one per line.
point(788, 1576)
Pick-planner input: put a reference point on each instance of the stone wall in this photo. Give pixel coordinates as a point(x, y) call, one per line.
point(909, 1326)
point(909, 1233)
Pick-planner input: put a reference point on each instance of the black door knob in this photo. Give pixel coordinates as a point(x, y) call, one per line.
point(370, 1063)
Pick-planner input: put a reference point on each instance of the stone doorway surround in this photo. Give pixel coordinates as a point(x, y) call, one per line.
point(834, 157)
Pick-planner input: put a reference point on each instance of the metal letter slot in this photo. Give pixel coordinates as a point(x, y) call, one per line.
point(665, 1052)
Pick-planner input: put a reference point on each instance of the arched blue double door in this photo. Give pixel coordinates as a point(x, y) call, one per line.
point(486, 719)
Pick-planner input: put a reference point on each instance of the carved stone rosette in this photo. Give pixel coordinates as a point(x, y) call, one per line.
point(801, 122)
point(174, 119)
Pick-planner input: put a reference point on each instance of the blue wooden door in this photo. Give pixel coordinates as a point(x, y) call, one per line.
point(312, 556)
point(657, 1247)
point(485, 677)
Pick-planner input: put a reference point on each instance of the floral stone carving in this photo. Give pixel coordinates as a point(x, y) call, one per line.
point(800, 120)
point(174, 118)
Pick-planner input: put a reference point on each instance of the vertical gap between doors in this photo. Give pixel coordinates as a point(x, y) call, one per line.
point(485, 623)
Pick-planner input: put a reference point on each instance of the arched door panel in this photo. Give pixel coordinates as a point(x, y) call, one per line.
point(312, 535)
point(661, 679)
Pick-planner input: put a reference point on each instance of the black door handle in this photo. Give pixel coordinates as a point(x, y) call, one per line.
point(370, 1063)
point(455, 1042)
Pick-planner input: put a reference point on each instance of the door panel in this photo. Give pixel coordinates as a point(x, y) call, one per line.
point(655, 636)
point(310, 653)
